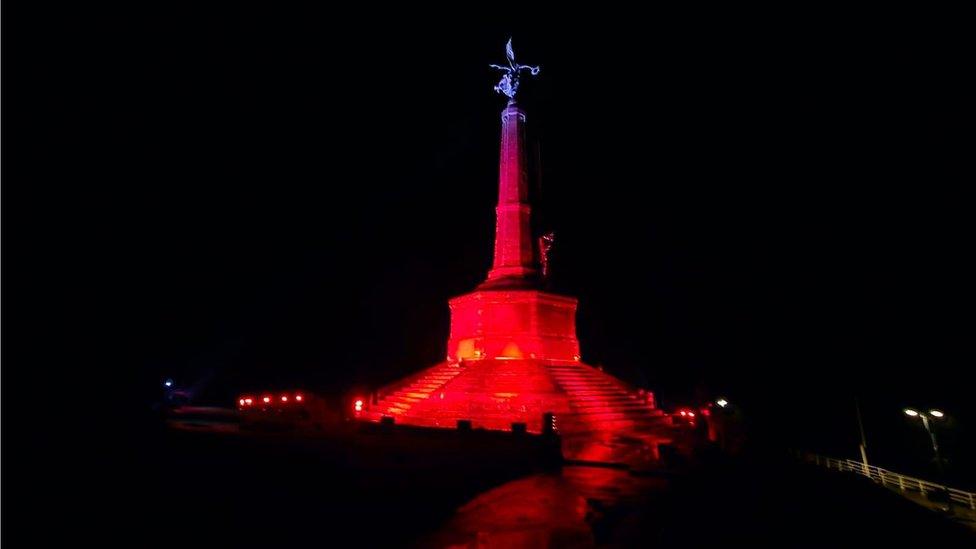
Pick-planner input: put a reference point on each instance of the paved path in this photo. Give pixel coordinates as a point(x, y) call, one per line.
point(571, 508)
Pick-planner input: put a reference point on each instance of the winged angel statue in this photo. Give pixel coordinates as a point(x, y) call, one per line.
point(509, 83)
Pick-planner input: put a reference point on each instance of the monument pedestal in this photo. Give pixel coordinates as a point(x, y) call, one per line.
point(513, 324)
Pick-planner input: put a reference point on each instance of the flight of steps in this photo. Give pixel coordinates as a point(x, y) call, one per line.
point(584, 399)
point(601, 402)
point(492, 394)
point(418, 389)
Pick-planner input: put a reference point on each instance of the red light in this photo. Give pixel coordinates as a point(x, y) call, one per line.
point(298, 398)
point(684, 413)
point(248, 401)
point(241, 402)
point(284, 398)
point(358, 405)
point(690, 414)
point(266, 399)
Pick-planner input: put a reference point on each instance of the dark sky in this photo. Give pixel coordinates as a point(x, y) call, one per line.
point(770, 208)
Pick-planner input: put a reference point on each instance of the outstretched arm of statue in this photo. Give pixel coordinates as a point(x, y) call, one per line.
point(499, 67)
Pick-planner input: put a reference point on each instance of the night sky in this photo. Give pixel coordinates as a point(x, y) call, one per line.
point(771, 212)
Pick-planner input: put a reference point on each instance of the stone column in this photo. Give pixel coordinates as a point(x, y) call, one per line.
point(516, 255)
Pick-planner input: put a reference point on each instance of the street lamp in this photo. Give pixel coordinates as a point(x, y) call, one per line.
point(937, 414)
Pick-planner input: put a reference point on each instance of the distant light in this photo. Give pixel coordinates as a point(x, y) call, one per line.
point(684, 413)
point(266, 399)
point(284, 398)
point(358, 405)
point(248, 401)
point(910, 412)
point(298, 398)
point(722, 402)
point(241, 401)
point(691, 414)
point(936, 413)
point(168, 383)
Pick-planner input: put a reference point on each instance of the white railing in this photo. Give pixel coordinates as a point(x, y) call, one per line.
point(890, 479)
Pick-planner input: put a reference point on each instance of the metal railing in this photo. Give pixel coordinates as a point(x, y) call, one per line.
point(890, 479)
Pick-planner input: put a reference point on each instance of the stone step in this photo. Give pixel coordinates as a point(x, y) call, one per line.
point(571, 424)
point(590, 389)
point(576, 380)
point(581, 379)
point(379, 412)
point(608, 414)
point(581, 374)
point(399, 399)
point(594, 385)
point(590, 406)
point(582, 399)
point(600, 398)
point(418, 394)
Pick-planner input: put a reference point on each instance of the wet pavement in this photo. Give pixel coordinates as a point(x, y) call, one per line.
point(574, 507)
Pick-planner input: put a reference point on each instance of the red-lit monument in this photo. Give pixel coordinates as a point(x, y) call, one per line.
point(512, 355)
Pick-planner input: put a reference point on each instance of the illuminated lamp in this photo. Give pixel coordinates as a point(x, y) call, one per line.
point(241, 402)
point(284, 398)
point(936, 413)
point(910, 412)
point(298, 398)
point(358, 405)
point(248, 401)
point(266, 399)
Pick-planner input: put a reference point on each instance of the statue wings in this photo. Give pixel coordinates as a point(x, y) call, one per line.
point(513, 65)
point(510, 80)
